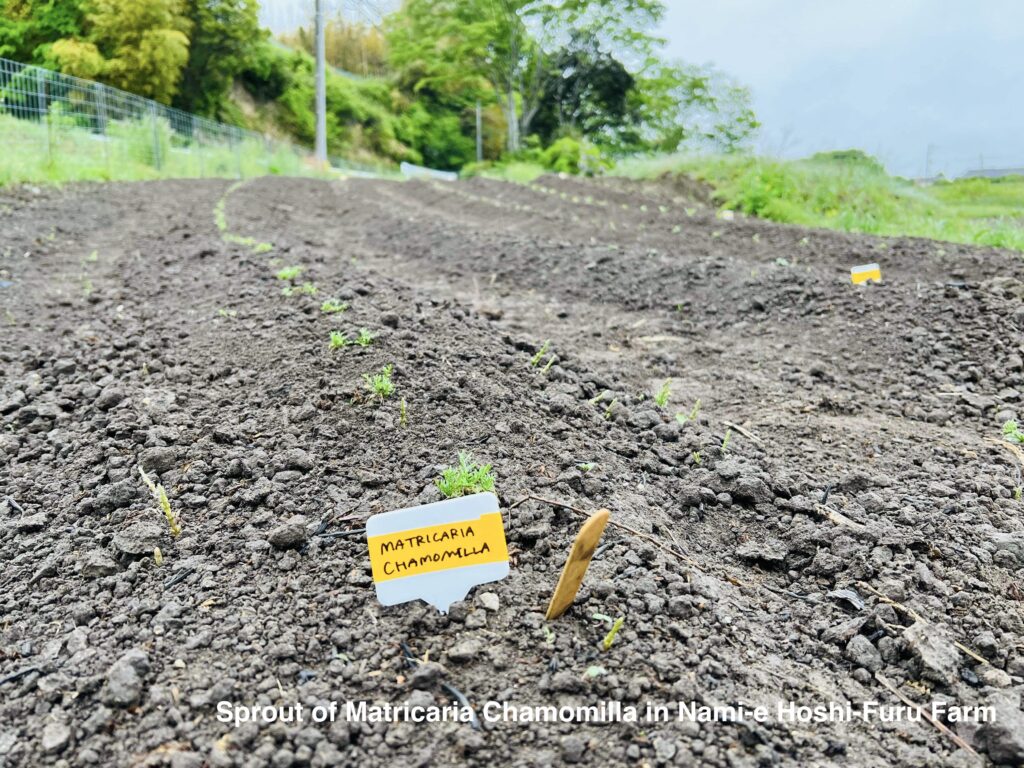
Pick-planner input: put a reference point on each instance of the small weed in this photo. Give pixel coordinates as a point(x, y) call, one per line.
point(535, 360)
point(465, 479)
point(161, 498)
point(585, 466)
point(549, 635)
point(289, 273)
point(262, 248)
point(338, 340)
point(365, 338)
point(663, 394)
point(616, 625)
point(725, 442)
point(333, 306)
point(227, 312)
point(306, 289)
point(696, 458)
point(599, 398)
point(547, 367)
point(682, 418)
point(380, 384)
point(1012, 433)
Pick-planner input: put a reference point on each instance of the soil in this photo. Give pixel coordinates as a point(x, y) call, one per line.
point(845, 454)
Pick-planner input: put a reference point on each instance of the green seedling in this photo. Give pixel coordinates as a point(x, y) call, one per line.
point(248, 242)
point(725, 442)
point(262, 248)
point(608, 410)
point(93, 257)
point(332, 306)
point(599, 398)
point(663, 394)
point(465, 479)
point(158, 556)
point(697, 459)
point(338, 340)
point(585, 466)
point(403, 414)
point(548, 366)
point(549, 635)
point(289, 273)
point(535, 360)
point(227, 312)
point(306, 289)
point(161, 499)
point(682, 418)
point(1017, 492)
point(380, 384)
point(365, 338)
point(1012, 433)
point(616, 625)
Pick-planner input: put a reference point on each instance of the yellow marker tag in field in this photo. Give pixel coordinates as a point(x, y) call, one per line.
point(576, 566)
point(437, 552)
point(866, 272)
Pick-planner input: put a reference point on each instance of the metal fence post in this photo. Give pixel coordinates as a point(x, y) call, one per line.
point(44, 111)
point(237, 134)
point(101, 124)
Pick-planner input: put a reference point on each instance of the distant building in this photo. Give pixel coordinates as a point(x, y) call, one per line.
point(992, 173)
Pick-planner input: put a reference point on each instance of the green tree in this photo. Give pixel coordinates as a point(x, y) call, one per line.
point(225, 35)
point(29, 27)
point(137, 45)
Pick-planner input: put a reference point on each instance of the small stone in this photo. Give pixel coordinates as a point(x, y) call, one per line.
point(1003, 735)
point(488, 601)
point(139, 539)
point(573, 748)
point(935, 651)
point(158, 459)
point(862, 653)
point(109, 397)
point(96, 565)
point(476, 619)
point(769, 551)
point(465, 651)
point(426, 675)
point(31, 523)
point(390, 319)
point(56, 737)
point(125, 679)
point(291, 534)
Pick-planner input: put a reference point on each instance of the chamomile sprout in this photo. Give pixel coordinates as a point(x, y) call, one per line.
point(262, 248)
point(1012, 432)
point(380, 384)
point(161, 499)
point(365, 338)
point(466, 478)
point(403, 414)
point(610, 637)
point(289, 273)
point(333, 306)
point(535, 360)
point(682, 418)
point(338, 340)
point(696, 458)
point(725, 442)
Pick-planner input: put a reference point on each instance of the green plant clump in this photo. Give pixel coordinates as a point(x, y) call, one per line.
point(380, 384)
point(1012, 433)
point(333, 306)
point(465, 479)
point(289, 273)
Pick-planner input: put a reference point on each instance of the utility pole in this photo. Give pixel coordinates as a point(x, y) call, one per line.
point(479, 134)
point(321, 87)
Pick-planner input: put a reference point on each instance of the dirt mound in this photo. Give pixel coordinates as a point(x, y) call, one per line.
point(827, 515)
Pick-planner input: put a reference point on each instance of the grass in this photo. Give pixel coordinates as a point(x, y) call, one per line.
point(850, 191)
point(56, 151)
point(380, 384)
point(161, 499)
point(517, 171)
point(333, 306)
point(466, 478)
point(662, 395)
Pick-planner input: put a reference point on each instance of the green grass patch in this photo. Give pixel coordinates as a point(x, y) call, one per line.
point(850, 191)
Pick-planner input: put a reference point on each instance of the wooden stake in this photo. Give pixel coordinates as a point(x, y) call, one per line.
point(576, 566)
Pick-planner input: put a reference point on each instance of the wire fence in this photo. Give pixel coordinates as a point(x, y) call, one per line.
point(55, 126)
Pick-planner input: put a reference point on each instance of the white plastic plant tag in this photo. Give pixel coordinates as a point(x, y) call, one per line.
point(437, 552)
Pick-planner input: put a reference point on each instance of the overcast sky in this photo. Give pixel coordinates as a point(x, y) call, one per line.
point(892, 77)
point(888, 76)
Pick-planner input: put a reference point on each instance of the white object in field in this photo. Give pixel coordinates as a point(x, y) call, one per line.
point(437, 552)
point(419, 172)
point(866, 272)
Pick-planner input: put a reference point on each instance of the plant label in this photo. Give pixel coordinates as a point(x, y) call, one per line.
point(437, 552)
point(866, 272)
point(576, 566)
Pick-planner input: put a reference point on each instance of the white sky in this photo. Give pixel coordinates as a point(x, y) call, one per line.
point(888, 76)
point(891, 77)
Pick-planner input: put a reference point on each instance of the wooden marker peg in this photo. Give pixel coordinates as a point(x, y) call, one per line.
point(576, 566)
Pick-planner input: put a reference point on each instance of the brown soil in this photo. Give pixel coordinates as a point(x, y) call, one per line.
point(862, 455)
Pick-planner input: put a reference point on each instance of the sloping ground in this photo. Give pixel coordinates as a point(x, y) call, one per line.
point(859, 457)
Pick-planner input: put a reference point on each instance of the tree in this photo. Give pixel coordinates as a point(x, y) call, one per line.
point(137, 45)
point(225, 34)
point(29, 27)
